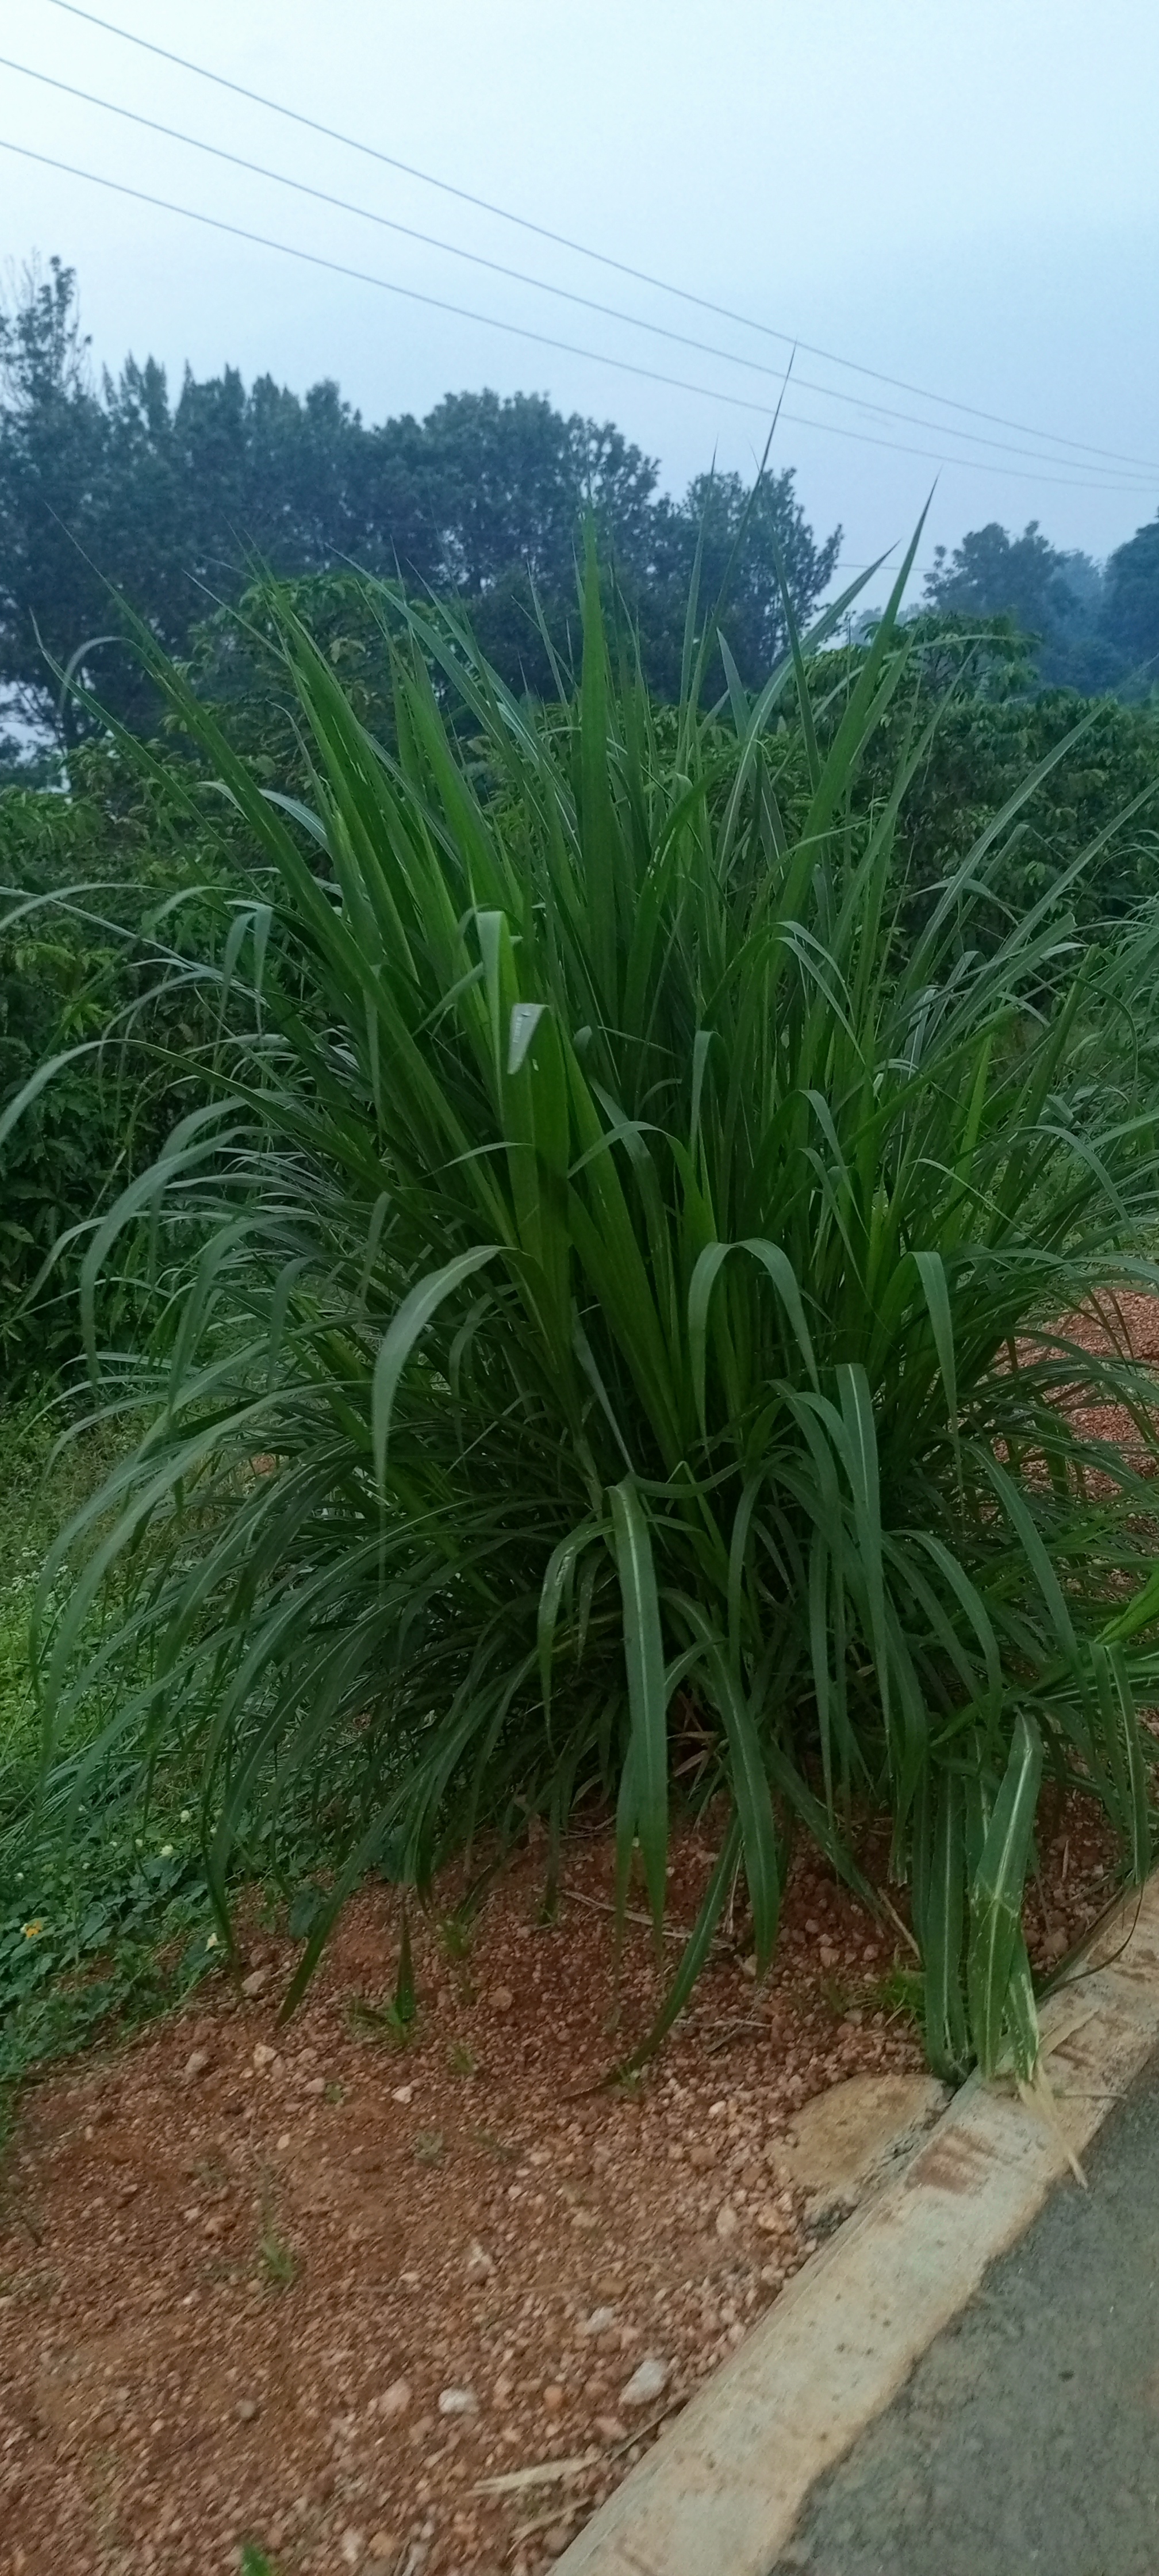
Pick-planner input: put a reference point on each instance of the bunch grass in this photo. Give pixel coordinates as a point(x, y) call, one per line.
point(610, 1315)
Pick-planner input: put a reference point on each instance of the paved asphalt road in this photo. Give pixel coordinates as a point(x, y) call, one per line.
point(1027, 2441)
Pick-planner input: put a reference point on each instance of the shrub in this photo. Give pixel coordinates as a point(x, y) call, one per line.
point(994, 728)
point(610, 1317)
point(83, 875)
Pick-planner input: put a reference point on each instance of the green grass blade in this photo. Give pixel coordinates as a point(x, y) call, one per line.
point(692, 1957)
point(647, 1693)
point(415, 1313)
point(942, 1930)
point(996, 1894)
point(749, 1781)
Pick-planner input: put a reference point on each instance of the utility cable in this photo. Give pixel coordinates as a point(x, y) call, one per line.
point(542, 339)
point(610, 312)
point(563, 241)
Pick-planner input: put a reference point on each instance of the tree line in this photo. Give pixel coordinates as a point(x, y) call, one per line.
point(119, 488)
point(1096, 626)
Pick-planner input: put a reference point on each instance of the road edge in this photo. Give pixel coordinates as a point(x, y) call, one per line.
point(724, 2486)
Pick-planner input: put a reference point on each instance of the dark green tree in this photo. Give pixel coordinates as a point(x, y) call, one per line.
point(53, 456)
point(1053, 597)
point(118, 492)
point(1131, 613)
point(482, 503)
point(750, 539)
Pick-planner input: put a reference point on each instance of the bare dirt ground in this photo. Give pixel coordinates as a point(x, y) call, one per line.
point(296, 2287)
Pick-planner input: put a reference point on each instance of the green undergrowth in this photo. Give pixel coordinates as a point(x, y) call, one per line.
point(105, 1915)
point(108, 1923)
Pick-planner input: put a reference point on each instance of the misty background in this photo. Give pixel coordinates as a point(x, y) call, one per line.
point(959, 209)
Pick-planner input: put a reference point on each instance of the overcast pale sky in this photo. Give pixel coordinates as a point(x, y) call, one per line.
point(960, 193)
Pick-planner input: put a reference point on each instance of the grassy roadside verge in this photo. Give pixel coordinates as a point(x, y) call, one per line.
point(110, 1924)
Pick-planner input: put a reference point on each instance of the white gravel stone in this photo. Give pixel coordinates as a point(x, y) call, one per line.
point(647, 2383)
point(458, 2401)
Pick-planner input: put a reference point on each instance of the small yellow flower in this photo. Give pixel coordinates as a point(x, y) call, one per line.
point(30, 1930)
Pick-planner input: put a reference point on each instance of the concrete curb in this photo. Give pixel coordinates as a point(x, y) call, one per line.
point(722, 2489)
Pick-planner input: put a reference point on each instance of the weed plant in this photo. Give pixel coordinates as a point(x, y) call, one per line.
point(108, 1924)
point(609, 1323)
point(102, 1929)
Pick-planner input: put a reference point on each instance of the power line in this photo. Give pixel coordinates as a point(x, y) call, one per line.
point(542, 339)
point(612, 312)
point(563, 241)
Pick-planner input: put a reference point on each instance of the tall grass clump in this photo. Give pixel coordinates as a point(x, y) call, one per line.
point(609, 1321)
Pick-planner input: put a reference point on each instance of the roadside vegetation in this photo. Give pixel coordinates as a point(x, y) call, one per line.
point(105, 1925)
point(582, 1320)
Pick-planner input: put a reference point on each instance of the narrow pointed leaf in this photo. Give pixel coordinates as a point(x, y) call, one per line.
point(647, 1695)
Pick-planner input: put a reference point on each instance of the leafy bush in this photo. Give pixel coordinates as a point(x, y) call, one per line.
point(990, 734)
point(106, 1926)
point(1099, 803)
point(83, 875)
point(609, 1318)
point(51, 975)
